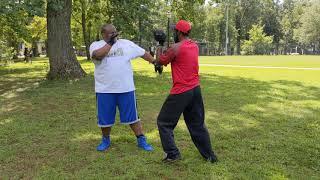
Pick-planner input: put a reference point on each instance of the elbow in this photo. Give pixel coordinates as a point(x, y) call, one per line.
point(164, 61)
point(160, 62)
point(96, 57)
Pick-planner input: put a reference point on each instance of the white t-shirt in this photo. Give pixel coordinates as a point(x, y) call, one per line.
point(113, 74)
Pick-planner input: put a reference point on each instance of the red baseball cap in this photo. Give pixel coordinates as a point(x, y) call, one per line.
point(183, 26)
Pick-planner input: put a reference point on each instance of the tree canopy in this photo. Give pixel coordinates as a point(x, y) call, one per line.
point(291, 24)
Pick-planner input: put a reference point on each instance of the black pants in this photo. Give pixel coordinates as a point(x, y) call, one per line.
point(191, 105)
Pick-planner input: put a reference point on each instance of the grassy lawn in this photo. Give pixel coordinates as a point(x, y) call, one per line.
point(264, 123)
point(286, 61)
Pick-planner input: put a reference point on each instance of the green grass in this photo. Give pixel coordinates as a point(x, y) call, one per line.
point(280, 61)
point(264, 124)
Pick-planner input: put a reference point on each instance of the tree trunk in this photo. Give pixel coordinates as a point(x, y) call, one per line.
point(35, 52)
point(46, 44)
point(276, 49)
point(62, 59)
point(238, 28)
point(221, 38)
point(98, 35)
point(89, 31)
point(285, 48)
point(16, 49)
point(84, 26)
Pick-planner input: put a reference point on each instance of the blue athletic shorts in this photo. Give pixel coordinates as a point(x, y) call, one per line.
point(106, 108)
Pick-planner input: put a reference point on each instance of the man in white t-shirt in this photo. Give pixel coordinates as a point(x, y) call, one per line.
point(114, 84)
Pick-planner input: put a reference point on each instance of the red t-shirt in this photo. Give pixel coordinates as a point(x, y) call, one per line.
point(184, 65)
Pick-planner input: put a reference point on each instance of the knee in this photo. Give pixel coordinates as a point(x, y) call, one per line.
point(159, 120)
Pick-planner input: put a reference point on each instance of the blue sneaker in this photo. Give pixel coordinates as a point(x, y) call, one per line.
point(105, 144)
point(142, 143)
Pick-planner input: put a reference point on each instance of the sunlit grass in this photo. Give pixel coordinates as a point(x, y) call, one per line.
point(280, 61)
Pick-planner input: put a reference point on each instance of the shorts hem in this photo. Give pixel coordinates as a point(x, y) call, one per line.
point(132, 122)
point(108, 125)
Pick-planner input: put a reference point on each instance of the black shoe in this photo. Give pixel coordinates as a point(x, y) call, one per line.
point(212, 159)
point(168, 159)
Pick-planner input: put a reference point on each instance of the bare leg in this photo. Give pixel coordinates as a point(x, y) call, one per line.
point(106, 131)
point(141, 139)
point(137, 128)
point(105, 142)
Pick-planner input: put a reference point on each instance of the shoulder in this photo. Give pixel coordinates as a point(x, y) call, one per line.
point(125, 41)
point(190, 44)
point(97, 43)
point(190, 41)
point(175, 47)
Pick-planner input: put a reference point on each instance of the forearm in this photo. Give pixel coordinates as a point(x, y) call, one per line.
point(165, 57)
point(147, 56)
point(99, 54)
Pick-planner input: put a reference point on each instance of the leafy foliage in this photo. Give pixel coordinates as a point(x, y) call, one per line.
point(309, 31)
point(259, 43)
point(38, 28)
point(289, 22)
point(14, 18)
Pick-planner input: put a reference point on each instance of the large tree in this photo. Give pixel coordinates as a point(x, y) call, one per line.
point(80, 8)
point(37, 32)
point(14, 16)
point(63, 61)
point(87, 17)
point(259, 43)
point(247, 13)
point(271, 21)
point(309, 31)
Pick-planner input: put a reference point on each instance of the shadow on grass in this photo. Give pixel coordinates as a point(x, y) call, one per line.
point(258, 129)
point(21, 76)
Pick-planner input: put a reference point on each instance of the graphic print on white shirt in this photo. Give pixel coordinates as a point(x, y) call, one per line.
point(113, 74)
point(117, 52)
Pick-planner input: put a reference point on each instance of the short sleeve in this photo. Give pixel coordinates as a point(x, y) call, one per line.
point(167, 57)
point(94, 46)
point(135, 50)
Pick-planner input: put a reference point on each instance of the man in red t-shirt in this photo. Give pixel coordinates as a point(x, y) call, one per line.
point(185, 96)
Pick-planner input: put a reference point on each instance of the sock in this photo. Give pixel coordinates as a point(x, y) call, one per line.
point(141, 135)
point(106, 136)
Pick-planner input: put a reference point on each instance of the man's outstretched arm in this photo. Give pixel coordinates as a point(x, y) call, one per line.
point(166, 57)
point(147, 56)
